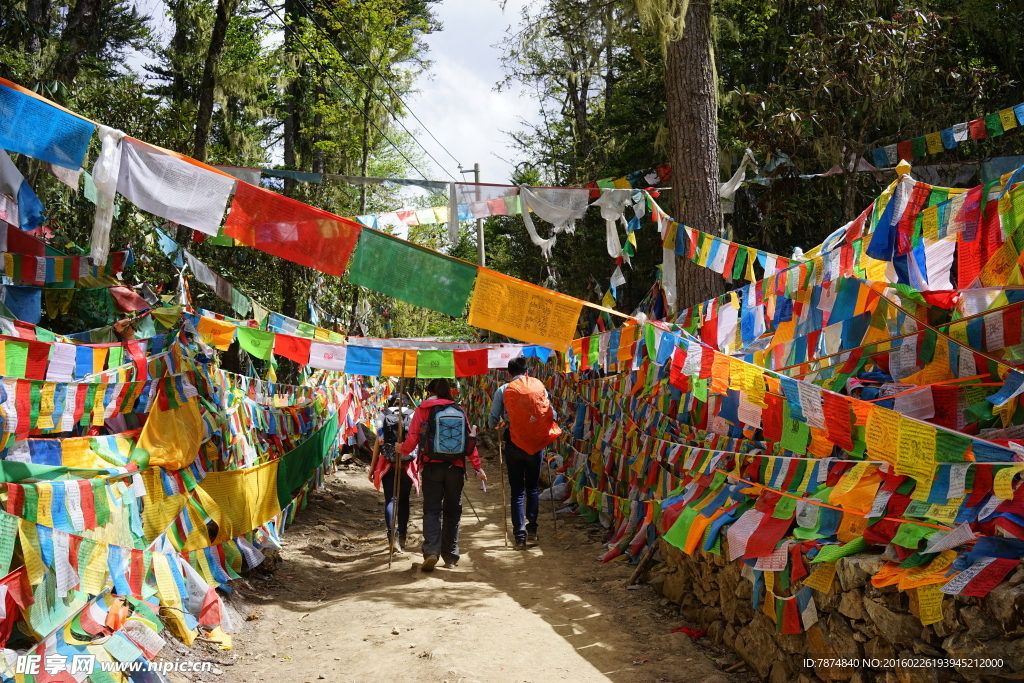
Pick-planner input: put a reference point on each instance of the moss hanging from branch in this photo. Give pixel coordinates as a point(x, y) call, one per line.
point(667, 17)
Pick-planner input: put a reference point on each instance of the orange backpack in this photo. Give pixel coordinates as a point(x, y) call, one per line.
point(531, 426)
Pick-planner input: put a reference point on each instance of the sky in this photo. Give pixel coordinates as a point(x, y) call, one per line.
point(456, 100)
point(458, 103)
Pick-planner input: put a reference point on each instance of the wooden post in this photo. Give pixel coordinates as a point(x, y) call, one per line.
point(397, 466)
point(501, 466)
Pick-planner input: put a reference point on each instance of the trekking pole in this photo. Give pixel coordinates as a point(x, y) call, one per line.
point(397, 467)
point(501, 467)
point(551, 493)
point(471, 506)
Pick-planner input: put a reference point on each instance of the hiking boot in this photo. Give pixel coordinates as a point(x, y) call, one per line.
point(450, 564)
point(428, 563)
point(520, 544)
point(531, 536)
point(398, 547)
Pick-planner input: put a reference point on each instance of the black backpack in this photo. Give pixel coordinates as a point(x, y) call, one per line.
point(389, 434)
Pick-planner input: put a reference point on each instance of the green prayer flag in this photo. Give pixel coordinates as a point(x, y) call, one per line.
point(831, 553)
point(115, 356)
point(950, 447)
point(431, 364)
point(910, 534)
point(919, 146)
point(239, 302)
point(681, 529)
point(306, 331)
point(16, 356)
point(412, 274)
point(785, 508)
point(993, 125)
point(258, 343)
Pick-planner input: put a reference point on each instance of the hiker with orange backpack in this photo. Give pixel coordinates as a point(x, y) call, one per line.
point(441, 431)
point(525, 406)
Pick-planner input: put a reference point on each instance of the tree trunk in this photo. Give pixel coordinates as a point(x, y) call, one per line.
point(82, 26)
point(365, 152)
point(225, 10)
point(693, 126)
point(37, 12)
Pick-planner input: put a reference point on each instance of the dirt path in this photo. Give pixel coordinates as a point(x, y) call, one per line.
point(551, 613)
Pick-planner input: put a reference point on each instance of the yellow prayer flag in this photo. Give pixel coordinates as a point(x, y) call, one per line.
point(626, 339)
point(622, 183)
point(29, 538)
point(216, 332)
point(398, 363)
point(99, 359)
point(934, 142)
point(523, 311)
point(608, 301)
point(320, 334)
point(171, 437)
point(1002, 485)
point(44, 511)
point(1008, 119)
point(751, 257)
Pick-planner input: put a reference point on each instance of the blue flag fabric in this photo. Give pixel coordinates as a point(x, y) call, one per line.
point(34, 128)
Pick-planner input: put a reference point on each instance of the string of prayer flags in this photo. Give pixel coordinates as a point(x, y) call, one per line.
point(991, 125)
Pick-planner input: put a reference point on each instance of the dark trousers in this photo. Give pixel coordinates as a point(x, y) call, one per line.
point(523, 480)
point(442, 509)
point(387, 482)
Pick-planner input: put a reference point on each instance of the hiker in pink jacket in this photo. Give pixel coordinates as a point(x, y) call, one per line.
point(445, 439)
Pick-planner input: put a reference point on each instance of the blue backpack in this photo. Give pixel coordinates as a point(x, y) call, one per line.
point(447, 434)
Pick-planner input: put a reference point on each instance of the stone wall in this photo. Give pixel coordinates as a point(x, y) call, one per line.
point(856, 620)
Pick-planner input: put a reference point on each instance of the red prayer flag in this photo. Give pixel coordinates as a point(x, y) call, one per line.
point(791, 618)
point(978, 129)
point(469, 363)
point(127, 300)
point(905, 149)
point(292, 230)
point(295, 348)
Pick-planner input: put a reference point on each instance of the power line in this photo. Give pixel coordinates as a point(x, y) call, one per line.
point(305, 47)
point(327, 36)
point(370, 61)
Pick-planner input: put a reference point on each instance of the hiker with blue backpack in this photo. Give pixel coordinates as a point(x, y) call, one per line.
point(441, 431)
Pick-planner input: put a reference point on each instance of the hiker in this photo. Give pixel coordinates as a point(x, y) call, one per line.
point(382, 471)
point(525, 406)
point(445, 439)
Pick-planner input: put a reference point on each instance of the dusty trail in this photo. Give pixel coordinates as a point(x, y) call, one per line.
point(551, 613)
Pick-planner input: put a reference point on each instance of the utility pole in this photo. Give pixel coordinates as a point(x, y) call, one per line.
point(479, 221)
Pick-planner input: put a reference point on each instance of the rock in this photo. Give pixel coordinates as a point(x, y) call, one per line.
point(729, 637)
point(878, 648)
point(917, 674)
point(851, 604)
point(781, 672)
point(856, 571)
point(395, 631)
point(755, 646)
point(716, 631)
point(1006, 604)
point(819, 646)
point(897, 628)
point(980, 626)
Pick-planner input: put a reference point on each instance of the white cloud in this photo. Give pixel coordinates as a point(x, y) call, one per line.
point(458, 104)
